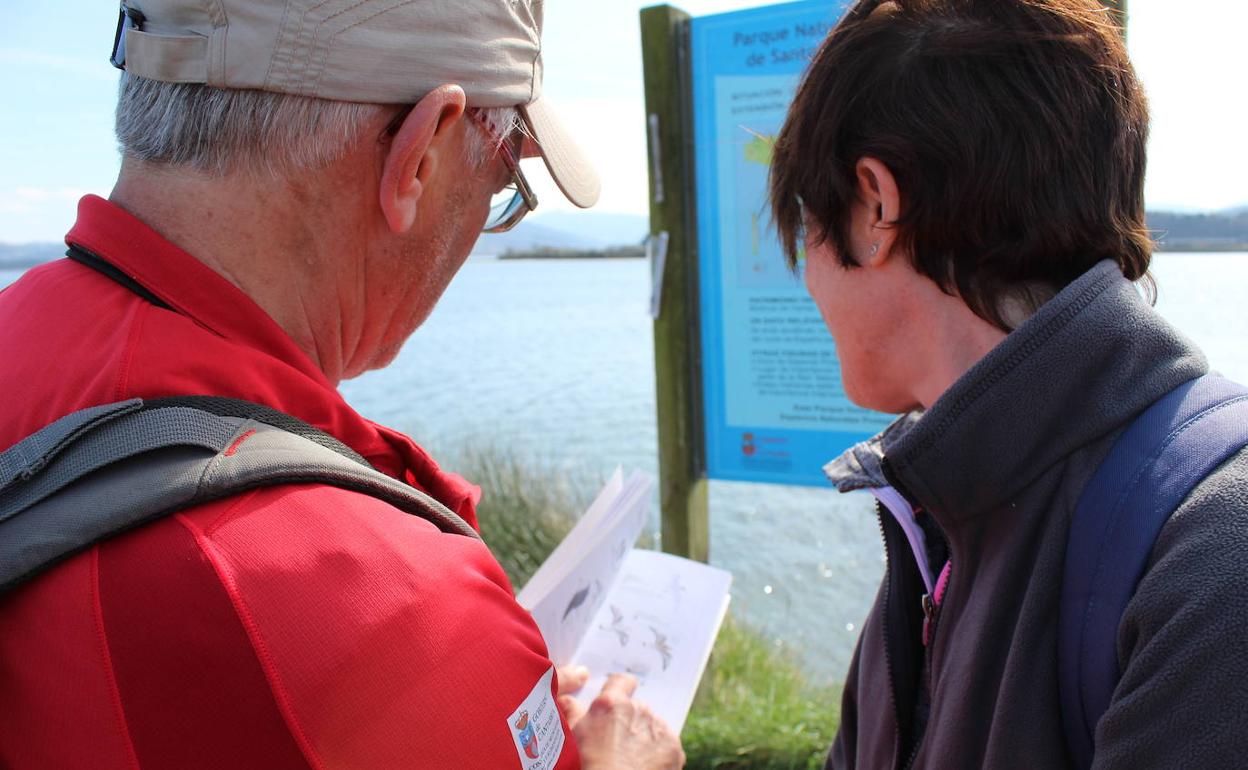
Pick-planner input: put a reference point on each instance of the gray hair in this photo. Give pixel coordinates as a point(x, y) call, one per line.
point(217, 131)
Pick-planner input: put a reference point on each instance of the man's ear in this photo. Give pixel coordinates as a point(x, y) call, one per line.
point(880, 202)
point(414, 152)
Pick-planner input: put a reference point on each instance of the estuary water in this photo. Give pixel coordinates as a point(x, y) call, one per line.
point(553, 361)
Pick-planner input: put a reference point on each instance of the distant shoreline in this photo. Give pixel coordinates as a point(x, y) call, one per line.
point(1200, 247)
point(639, 252)
point(616, 252)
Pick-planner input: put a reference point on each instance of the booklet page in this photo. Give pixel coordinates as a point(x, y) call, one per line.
point(564, 610)
point(658, 622)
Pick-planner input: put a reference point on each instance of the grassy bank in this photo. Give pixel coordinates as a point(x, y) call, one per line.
point(754, 708)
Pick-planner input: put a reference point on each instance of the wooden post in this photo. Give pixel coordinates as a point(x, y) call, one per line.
point(678, 395)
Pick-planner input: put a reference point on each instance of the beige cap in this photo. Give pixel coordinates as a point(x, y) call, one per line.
point(375, 51)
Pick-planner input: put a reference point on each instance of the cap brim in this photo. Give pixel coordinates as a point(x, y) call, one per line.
point(568, 166)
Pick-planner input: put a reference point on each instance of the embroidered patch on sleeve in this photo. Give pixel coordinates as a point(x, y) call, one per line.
point(535, 727)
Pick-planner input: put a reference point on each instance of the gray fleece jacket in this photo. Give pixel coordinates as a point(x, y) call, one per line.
point(996, 466)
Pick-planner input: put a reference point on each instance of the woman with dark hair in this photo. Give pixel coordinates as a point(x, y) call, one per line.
point(963, 180)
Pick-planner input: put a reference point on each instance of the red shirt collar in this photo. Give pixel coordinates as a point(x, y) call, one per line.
point(183, 282)
point(197, 292)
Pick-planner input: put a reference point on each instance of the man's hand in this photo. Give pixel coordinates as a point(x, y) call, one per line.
point(619, 732)
point(571, 679)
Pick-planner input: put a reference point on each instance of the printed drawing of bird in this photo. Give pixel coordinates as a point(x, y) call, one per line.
point(617, 626)
point(639, 670)
point(580, 597)
point(577, 600)
point(661, 646)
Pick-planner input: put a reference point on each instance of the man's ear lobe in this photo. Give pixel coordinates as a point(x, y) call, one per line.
point(414, 152)
point(878, 191)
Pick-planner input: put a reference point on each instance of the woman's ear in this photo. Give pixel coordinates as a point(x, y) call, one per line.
point(414, 153)
point(878, 212)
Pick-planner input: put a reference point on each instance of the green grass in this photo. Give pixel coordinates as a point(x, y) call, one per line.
point(525, 509)
point(754, 708)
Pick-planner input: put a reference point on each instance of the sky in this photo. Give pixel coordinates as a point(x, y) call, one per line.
point(58, 92)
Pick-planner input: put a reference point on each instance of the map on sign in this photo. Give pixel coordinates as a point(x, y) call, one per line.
point(756, 252)
point(775, 407)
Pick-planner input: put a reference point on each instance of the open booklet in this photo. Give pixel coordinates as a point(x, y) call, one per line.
point(603, 604)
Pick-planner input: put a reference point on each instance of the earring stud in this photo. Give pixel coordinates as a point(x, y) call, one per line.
point(875, 249)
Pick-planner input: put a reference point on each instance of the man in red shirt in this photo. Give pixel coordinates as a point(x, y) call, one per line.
point(300, 182)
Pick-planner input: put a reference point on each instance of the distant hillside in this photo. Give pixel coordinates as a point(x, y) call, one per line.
point(608, 229)
point(559, 230)
point(611, 252)
point(15, 256)
point(588, 231)
point(1223, 231)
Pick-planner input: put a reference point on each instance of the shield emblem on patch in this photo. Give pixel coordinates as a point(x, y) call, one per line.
point(527, 736)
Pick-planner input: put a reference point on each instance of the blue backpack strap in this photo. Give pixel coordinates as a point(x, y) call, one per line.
point(1152, 468)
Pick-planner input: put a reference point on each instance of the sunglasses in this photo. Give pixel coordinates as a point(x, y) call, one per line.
point(510, 204)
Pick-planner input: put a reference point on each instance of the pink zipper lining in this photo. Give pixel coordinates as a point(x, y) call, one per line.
point(942, 583)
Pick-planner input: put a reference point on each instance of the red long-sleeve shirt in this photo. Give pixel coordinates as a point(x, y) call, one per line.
point(294, 627)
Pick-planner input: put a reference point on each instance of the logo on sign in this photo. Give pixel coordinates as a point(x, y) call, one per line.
point(747, 445)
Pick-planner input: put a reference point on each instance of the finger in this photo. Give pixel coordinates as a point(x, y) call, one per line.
point(571, 709)
point(572, 678)
point(623, 685)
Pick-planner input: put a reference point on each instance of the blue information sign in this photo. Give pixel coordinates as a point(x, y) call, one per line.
point(775, 407)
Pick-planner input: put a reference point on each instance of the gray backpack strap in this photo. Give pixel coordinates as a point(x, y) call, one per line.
point(96, 473)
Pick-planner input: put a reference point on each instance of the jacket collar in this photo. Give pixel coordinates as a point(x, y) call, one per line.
point(862, 465)
point(183, 282)
point(1053, 385)
point(269, 367)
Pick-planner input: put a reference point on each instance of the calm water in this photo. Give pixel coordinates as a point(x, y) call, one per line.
point(553, 360)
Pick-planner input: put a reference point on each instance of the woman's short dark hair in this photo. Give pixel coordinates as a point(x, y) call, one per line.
point(1016, 131)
